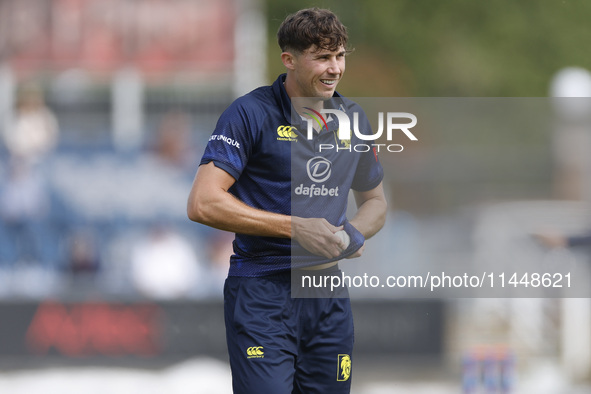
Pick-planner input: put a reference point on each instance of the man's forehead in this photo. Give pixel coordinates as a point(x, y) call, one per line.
point(316, 50)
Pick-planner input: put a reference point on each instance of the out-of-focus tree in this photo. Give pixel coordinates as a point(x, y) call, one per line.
point(452, 47)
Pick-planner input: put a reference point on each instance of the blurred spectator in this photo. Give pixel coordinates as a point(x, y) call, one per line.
point(83, 256)
point(164, 266)
point(34, 132)
point(555, 240)
point(173, 140)
point(82, 262)
point(24, 208)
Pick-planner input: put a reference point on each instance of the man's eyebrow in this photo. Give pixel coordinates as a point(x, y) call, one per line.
point(322, 53)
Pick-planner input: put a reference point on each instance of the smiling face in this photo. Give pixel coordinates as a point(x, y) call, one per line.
point(315, 72)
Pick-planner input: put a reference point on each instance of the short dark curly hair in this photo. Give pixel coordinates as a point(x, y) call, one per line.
point(312, 26)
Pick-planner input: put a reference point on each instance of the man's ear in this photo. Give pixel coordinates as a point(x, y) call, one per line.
point(288, 59)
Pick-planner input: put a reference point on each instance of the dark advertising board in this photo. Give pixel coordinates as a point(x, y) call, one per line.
point(90, 332)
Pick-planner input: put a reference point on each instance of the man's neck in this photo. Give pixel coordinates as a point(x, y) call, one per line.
point(301, 102)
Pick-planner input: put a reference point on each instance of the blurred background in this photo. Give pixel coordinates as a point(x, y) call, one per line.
point(105, 109)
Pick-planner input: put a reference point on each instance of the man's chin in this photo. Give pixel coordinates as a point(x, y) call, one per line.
point(321, 97)
point(324, 96)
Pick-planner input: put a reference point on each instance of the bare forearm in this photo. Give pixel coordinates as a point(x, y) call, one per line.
point(226, 212)
point(371, 212)
point(370, 218)
point(211, 204)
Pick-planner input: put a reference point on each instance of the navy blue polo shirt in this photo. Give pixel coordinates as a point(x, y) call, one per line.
point(277, 169)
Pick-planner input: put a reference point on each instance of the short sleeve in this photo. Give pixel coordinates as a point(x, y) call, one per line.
point(230, 144)
point(369, 172)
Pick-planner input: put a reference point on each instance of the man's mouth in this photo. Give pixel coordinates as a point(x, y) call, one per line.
point(329, 82)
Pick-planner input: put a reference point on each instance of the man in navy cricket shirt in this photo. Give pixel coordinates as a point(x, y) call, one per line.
point(279, 344)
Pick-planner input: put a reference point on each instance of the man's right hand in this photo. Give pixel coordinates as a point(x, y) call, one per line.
point(317, 236)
